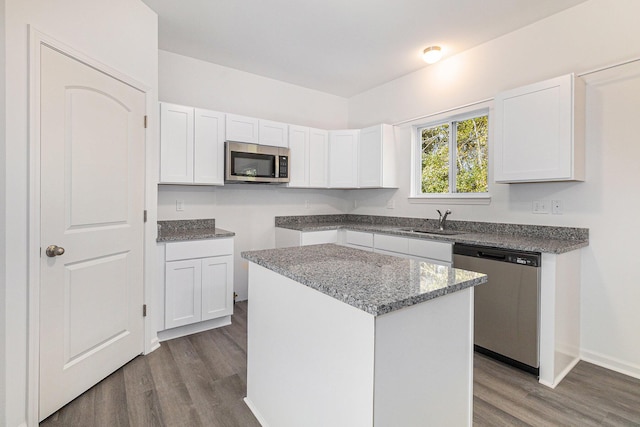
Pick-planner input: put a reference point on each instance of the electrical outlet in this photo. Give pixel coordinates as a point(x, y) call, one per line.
point(556, 207)
point(306, 204)
point(541, 207)
point(391, 204)
point(179, 205)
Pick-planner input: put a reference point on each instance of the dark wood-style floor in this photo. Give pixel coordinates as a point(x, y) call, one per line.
point(200, 380)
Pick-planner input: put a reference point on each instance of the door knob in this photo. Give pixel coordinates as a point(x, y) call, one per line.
point(53, 251)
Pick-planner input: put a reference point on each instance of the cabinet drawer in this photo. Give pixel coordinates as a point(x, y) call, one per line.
point(392, 243)
point(199, 249)
point(359, 238)
point(430, 249)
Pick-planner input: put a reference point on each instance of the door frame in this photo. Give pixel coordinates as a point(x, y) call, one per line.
point(38, 39)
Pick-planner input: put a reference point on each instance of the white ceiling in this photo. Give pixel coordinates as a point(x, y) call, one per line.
point(342, 47)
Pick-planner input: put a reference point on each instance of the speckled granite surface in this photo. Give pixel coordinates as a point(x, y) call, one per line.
point(534, 238)
point(374, 283)
point(190, 229)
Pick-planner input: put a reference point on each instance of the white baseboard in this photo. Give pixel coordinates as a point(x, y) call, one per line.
point(193, 328)
point(611, 363)
point(255, 412)
point(154, 345)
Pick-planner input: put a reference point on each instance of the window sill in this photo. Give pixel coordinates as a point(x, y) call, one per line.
point(453, 199)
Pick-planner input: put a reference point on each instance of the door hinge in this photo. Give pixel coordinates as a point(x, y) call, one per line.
point(145, 122)
point(144, 310)
point(145, 215)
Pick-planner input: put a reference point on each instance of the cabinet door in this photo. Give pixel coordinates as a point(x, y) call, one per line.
point(241, 129)
point(273, 133)
point(318, 237)
point(298, 156)
point(370, 157)
point(217, 287)
point(534, 133)
point(182, 293)
point(343, 159)
point(176, 143)
point(209, 147)
point(318, 158)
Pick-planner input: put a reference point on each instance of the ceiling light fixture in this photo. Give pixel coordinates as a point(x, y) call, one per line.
point(432, 54)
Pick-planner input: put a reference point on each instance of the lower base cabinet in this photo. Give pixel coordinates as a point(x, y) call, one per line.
point(198, 285)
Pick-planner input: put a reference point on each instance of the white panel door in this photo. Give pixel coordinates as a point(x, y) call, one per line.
point(318, 158)
point(217, 287)
point(92, 142)
point(176, 143)
point(183, 281)
point(208, 150)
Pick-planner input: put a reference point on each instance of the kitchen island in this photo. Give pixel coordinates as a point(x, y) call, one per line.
point(343, 337)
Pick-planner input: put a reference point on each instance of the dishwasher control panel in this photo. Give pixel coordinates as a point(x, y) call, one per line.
point(531, 259)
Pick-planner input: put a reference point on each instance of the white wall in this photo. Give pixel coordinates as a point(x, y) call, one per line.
point(591, 35)
point(3, 241)
point(190, 81)
point(119, 33)
point(247, 210)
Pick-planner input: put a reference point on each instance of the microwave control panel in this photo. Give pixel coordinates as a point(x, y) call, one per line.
point(283, 167)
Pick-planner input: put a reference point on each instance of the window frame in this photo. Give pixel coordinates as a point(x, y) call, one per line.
point(416, 195)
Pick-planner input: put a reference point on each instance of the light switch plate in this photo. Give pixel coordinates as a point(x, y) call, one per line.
point(179, 205)
point(540, 207)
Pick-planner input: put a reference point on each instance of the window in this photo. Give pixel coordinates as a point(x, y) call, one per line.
point(453, 157)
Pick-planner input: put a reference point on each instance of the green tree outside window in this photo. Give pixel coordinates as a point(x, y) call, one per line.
point(462, 144)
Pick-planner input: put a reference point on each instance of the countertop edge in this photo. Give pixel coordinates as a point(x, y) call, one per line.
point(483, 239)
point(374, 310)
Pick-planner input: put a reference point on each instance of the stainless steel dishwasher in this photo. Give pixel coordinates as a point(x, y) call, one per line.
point(507, 307)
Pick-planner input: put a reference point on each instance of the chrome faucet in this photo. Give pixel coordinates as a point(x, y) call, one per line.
point(442, 221)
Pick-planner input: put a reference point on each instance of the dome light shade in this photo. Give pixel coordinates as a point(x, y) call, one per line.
point(432, 54)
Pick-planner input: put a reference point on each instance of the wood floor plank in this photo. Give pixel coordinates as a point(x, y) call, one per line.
point(111, 401)
point(200, 380)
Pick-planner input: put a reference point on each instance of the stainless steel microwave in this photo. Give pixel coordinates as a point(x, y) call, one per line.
point(255, 163)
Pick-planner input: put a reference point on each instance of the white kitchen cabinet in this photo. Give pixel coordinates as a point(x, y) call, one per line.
point(198, 286)
point(273, 133)
point(241, 129)
point(376, 157)
point(358, 239)
point(309, 157)
point(176, 143)
point(191, 145)
point(343, 158)
point(539, 132)
point(208, 150)
point(318, 158)
point(299, 156)
point(286, 237)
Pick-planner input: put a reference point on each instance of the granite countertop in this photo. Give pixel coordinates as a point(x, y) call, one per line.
point(374, 283)
point(531, 238)
point(191, 229)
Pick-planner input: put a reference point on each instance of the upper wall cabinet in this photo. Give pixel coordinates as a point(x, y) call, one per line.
point(191, 145)
point(318, 158)
point(376, 157)
point(343, 158)
point(309, 157)
point(539, 132)
point(242, 129)
point(273, 133)
point(299, 160)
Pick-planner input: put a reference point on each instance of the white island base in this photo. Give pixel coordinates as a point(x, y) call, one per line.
point(316, 361)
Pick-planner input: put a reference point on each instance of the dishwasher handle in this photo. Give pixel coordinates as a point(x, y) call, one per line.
point(497, 257)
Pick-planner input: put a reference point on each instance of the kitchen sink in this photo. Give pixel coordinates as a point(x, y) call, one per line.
point(432, 231)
